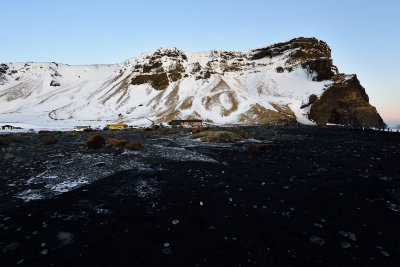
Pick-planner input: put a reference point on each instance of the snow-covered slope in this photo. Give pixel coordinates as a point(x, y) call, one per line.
point(254, 86)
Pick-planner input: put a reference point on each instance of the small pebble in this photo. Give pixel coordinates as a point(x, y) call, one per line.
point(317, 240)
point(20, 261)
point(385, 253)
point(176, 221)
point(166, 245)
point(345, 244)
point(318, 225)
point(343, 233)
point(43, 244)
point(352, 236)
point(166, 251)
point(10, 247)
point(44, 252)
point(201, 203)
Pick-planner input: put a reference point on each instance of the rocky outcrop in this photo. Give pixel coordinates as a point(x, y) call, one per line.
point(3, 71)
point(158, 81)
point(3, 68)
point(54, 83)
point(347, 103)
point(304, 49)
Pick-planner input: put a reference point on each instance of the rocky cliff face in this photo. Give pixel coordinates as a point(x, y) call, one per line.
point(345, 102)
point(292, 80)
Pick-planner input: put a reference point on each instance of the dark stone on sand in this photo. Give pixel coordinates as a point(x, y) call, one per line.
point(95, 142)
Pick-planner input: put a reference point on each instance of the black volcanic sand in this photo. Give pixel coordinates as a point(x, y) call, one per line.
point(282, 207)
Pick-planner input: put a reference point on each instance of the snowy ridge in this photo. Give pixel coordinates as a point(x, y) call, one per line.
point(218, 86)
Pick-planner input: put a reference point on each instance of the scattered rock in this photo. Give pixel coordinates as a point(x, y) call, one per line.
point(11, 247)
point(9, 156)
point(317, 240)
point(244, 136)
point(195, 130)
point(19, 160)
point(385, 253)
point(343, 233)
point(95, 142)
point(345, 244)
point(134, 145)
point(148, 172)
point(166, 251)
point(318, 225)
point(351, 236)
point(50, 141)
point(65, 238)
point(258, 147)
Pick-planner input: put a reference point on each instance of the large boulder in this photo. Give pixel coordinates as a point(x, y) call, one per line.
point(95, 142)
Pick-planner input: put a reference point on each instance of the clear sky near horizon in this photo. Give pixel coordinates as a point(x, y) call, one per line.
point(363, 34)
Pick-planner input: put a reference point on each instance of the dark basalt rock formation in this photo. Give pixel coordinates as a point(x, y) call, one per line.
point(347, 103)
point(3, 68)
point(159, 81)
point(307, 48)
point(54, 83)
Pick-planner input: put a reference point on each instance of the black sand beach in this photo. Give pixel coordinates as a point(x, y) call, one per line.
point(315, 197)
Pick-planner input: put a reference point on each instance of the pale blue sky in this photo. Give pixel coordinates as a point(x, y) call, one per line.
point(364, 35)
